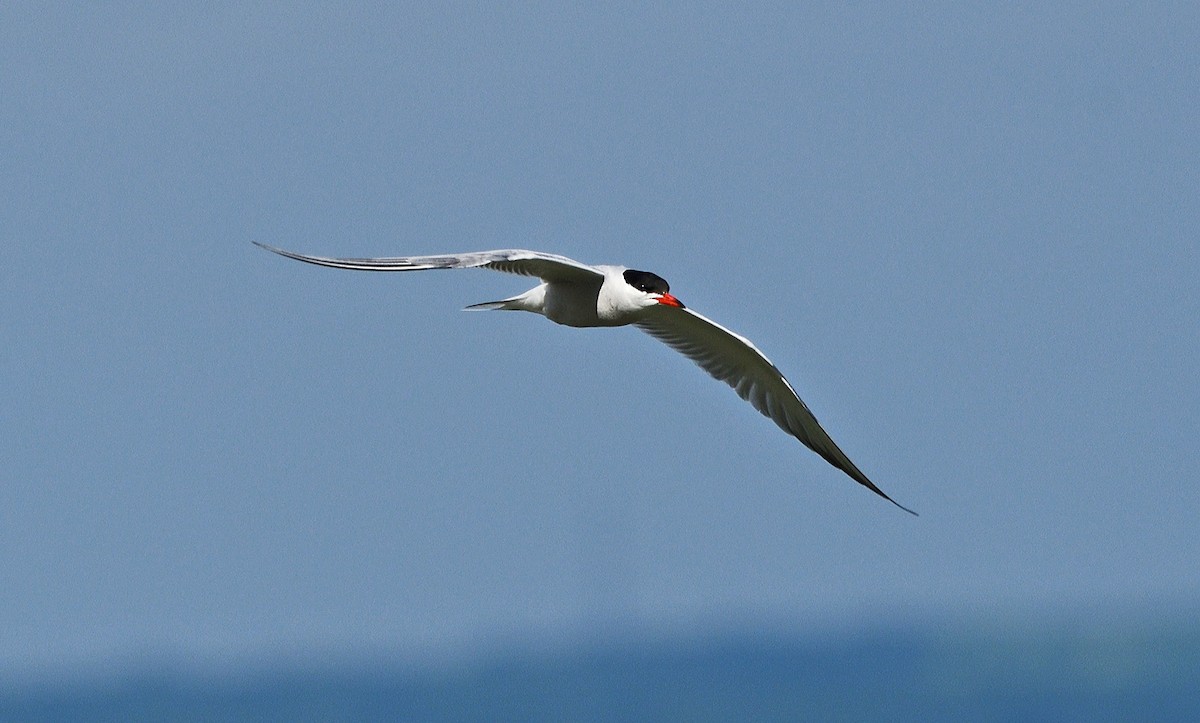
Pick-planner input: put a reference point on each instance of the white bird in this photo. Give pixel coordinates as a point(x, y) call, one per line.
point(576, 294)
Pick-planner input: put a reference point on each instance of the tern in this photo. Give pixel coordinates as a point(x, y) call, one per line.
point(576, 294)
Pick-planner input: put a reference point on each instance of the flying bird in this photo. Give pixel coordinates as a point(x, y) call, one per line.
point(576, 294)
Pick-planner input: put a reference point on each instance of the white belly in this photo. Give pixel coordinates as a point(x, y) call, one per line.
point(580, 305)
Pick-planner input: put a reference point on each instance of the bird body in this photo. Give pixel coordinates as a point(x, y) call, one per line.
point(579, 295)
point(602, 300)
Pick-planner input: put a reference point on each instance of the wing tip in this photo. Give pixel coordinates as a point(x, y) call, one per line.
point(274, 249)
point(871, 486)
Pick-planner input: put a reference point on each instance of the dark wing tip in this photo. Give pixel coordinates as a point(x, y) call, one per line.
point(273, 249)
point(862, 479)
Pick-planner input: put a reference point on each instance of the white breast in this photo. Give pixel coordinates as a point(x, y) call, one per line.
point(610, 303)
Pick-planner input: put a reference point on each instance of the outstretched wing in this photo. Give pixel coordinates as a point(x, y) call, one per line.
point(733, 359)
point(548, 267)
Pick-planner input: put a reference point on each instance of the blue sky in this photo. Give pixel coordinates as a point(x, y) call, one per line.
point(967, 235)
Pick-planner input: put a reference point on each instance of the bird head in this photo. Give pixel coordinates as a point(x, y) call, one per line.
point(654, 287)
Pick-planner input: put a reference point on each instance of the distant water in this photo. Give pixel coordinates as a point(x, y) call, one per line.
point(953, 675)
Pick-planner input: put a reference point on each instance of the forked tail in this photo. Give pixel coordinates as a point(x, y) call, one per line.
point(529, 301)
point(514, 303)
